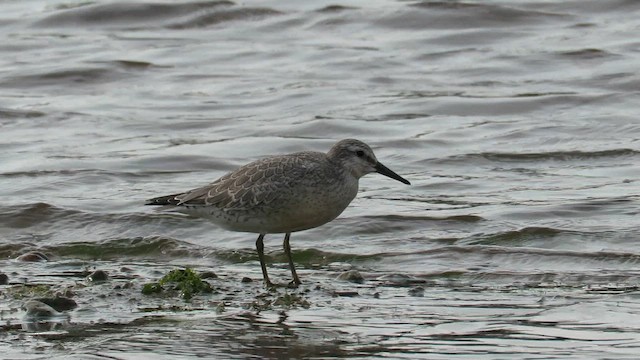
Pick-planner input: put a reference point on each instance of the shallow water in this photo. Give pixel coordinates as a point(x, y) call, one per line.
point(515, 121)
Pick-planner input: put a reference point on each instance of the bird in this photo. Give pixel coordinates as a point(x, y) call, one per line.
point(282, 194)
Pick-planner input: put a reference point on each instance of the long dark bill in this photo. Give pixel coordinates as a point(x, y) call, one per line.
point(381, 169)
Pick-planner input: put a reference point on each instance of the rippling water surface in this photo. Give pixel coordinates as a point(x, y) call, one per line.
point(515, 121)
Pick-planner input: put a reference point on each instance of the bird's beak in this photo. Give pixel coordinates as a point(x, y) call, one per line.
point(381, 169)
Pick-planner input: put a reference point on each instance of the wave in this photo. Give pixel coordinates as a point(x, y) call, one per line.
point(568, 155)
point(150, 15)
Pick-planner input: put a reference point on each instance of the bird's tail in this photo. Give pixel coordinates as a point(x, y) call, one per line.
point(164, 200)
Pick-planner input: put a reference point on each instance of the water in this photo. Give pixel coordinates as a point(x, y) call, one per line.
point(515, 121)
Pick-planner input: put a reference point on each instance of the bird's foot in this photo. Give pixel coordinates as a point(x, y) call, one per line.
point(269, 285)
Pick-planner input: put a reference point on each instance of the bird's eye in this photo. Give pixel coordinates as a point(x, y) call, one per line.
point(360, 153)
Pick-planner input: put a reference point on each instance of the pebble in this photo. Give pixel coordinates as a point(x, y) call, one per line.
point(98, 276)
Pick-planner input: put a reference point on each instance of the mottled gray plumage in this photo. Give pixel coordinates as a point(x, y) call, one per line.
point(283, 194)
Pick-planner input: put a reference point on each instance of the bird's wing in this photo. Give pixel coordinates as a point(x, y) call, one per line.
point(255, 183)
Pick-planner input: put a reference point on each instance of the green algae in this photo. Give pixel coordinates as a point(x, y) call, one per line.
point(27, 291)
point(186, 281)
point(291, 301)
point(267, 301)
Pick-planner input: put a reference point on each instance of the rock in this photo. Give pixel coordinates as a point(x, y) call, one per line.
point(59, 303)
point(246, 280)
point(208, 275)
point(33, 256)
point(98, 276)
point(417, 291)
point(4, 279)
point(351, 276)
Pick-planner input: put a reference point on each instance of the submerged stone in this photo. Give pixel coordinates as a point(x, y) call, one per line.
point(400, 280)
point(38, 309)
point(351, 276)
point(33, 256)
point(417, 291)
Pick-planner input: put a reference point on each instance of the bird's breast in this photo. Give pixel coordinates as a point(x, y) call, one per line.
point(310, 206)
point(300, 207)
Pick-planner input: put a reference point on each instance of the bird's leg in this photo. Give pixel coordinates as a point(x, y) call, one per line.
point(287, 250)
point(260, 248)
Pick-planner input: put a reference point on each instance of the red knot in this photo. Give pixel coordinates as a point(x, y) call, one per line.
point(283, 194)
